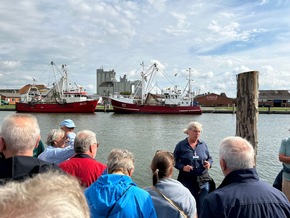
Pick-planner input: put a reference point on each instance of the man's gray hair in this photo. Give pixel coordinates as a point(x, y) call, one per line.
point(237, 152)
point(20, 132)
point(50, 194)
point(120, 160)
point(83, 140)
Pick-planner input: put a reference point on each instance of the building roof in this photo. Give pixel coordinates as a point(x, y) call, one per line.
point(10, 95)
point(274, 94)
point(9, 90)
point(25, 88)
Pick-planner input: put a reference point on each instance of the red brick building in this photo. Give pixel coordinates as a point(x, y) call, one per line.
point(213, 100)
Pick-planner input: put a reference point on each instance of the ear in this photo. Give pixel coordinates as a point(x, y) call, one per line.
point(130, 172)
point(223, 164)
point(2, 144)
point(224, 167)
point(170, 171)
point(91, 149)
point(38, 140)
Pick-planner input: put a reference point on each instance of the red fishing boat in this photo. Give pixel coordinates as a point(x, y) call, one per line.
point(170, 100)
point(61, 98)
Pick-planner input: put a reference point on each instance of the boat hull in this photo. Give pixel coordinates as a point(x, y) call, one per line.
point(125, 107)
point(74, 107)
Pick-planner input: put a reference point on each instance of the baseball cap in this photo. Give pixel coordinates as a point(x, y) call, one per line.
point(68, 123)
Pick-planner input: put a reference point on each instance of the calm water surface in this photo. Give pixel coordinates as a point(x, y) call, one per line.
point(144, 134)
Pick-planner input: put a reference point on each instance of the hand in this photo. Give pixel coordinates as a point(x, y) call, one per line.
point(187, 168)
point(206, 165)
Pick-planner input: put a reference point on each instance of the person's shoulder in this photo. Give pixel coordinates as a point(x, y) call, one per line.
point(148, 188)
point(45, 164)
point(100, 164)
point(182, 142)
point(140, 192)
point(174, 183)
point(65, 163)
point(200, 141)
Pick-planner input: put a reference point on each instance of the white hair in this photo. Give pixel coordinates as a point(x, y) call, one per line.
point(193, 126)
point(120, 159)
point(237, 152)
point(20, 132)
point(50, 194)
point(83, 141)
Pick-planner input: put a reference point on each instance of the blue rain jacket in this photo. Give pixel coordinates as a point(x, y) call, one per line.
point(117, 195)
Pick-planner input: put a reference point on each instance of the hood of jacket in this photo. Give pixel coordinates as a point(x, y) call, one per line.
point(109, 194)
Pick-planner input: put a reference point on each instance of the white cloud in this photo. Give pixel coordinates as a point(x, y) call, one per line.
point(217, 40)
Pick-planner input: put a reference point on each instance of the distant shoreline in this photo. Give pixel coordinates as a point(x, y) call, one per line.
point(217, 110)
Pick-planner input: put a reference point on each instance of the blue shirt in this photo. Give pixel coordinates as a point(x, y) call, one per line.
point(285, 149)
point(56, 155)
point(184, 155)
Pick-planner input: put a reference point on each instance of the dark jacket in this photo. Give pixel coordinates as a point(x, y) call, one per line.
point(279, 178)
point(242, 194)
point(21, 167)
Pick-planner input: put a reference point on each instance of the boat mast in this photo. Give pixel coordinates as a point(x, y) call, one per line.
point(189, 86)
point(65, 77)
point(143, 83)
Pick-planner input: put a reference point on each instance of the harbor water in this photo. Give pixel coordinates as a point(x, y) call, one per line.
point(144, 134)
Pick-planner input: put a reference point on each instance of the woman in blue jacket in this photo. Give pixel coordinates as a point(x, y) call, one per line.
point(115, 194)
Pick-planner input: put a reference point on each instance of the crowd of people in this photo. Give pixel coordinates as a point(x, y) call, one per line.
point(64, 179)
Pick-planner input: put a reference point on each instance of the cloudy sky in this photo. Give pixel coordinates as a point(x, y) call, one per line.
point(217, 39)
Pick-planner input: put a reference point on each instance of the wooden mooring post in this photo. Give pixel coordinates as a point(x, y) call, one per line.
point(247, 107)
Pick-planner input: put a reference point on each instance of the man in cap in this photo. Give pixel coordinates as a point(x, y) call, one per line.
point(68, 127)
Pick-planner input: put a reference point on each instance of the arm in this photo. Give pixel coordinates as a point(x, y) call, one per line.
point(63, 153)
point(177, 158)
point(284, 159)
point(207, 163)
point(57, 155)
point(178, 164)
